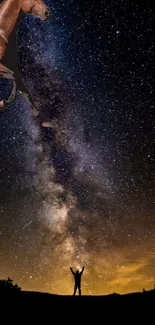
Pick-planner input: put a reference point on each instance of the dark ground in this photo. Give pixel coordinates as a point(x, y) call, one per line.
point(25, 297)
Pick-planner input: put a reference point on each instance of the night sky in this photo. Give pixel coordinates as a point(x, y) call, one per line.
point(83, 191)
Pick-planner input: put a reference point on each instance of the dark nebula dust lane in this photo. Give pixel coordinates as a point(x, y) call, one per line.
point(81, 192)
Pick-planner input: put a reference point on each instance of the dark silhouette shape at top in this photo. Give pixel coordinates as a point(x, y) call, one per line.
point(8, 286)
point(77, 279)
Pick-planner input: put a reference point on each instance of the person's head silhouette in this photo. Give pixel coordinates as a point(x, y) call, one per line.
point(77, 272)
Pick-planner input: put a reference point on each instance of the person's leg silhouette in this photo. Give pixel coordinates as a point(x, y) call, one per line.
point(79, 290)
point(75, 288)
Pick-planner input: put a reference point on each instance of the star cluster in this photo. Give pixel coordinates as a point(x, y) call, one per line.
point(81, 192)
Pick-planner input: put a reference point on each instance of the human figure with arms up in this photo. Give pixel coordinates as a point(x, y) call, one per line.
point(77, 280)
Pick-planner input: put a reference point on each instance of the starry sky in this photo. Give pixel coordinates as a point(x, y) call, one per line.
point(83, 191)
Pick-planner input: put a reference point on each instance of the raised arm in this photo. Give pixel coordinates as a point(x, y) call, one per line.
point(82, 270)
point(72, 271)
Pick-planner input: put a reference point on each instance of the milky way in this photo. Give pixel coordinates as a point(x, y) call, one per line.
point(81, 192)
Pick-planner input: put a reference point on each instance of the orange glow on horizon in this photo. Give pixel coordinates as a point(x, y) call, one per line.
point(102, 275)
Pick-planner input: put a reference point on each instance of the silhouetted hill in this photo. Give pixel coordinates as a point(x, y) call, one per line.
point(27, 297)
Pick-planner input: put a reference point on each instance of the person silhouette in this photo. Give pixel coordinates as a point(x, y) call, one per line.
point(77, 280)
